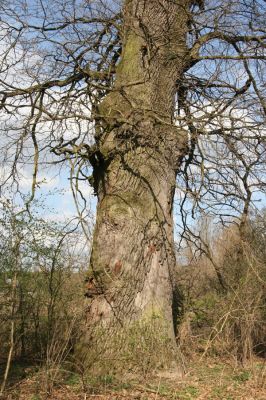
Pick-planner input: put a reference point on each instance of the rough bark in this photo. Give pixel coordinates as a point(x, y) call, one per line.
point(130, 285)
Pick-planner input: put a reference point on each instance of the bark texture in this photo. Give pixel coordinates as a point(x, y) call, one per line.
point(140, 150)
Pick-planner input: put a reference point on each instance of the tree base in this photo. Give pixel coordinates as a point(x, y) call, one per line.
point(141, 348)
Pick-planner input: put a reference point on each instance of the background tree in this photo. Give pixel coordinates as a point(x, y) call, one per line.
point(41, 286)
point(226, 320)
point(143, 92)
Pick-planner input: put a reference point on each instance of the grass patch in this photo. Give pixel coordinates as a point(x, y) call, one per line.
point(73, 379)
point(242, 377)
point(188, 393)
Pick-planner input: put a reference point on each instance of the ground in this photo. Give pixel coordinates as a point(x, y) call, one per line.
point(205, 379)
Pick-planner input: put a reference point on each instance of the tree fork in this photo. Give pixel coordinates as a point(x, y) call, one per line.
point(131, 281)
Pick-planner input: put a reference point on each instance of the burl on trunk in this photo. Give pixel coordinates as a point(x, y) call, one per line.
point(130, 284)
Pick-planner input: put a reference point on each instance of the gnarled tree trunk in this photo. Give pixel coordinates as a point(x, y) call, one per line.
point(130, 286)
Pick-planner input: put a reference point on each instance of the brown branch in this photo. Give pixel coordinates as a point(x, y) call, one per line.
point(194, 51)
point(55, 83)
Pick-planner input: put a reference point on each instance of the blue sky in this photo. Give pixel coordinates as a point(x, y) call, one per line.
point(54, 185)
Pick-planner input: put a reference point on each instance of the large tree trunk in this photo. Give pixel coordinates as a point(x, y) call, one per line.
point(130, 286)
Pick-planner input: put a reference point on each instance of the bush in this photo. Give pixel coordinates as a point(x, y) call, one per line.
point(230, 320)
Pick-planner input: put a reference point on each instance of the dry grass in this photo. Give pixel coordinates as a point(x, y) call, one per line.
point(205, 379)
